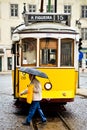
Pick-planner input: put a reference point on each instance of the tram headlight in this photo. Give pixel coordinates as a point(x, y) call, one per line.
point(48, 86)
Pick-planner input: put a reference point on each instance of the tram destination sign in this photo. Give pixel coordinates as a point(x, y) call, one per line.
point(46, 17)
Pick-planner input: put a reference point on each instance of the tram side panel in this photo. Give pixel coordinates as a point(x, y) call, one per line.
point(23, 83)
point(15, 83)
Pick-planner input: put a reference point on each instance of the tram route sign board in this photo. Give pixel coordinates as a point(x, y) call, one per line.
point(46, 17)
point(33, 18)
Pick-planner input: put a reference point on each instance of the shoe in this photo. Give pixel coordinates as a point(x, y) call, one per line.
point(44, 122)
point(26, 123)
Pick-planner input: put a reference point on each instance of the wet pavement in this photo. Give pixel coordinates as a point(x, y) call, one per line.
point(82, 89)
point(8, 119)
point(75, 114)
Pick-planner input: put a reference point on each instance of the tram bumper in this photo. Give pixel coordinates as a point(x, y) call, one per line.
point(59, 96)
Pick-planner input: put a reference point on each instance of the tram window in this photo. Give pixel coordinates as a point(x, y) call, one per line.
point(29, 52)
point(67, 52)
point(48, 57)
point(48, 53)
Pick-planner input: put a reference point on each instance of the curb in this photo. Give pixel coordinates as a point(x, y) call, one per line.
point(82, 92)
point(5, 72)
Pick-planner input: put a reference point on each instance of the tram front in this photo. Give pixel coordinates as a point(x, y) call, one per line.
point(52, 48)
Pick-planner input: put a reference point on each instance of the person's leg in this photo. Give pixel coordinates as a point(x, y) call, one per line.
point(32, 110)
point(43, 118)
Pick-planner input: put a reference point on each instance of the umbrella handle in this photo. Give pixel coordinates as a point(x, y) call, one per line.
point(49, 80)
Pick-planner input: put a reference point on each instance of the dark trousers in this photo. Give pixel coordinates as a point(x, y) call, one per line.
point(35, 105)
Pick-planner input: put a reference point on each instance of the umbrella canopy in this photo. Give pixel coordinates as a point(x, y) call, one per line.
point(33, 72)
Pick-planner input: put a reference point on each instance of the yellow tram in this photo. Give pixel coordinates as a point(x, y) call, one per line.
point(51, 47)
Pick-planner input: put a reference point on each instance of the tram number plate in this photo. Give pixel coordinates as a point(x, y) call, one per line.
point(61, 17)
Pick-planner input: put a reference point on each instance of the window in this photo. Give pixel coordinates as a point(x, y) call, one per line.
point(14, 9)
point(1, 50)
point(84, 33)
point(29, 51)
point(51, 9)
point(67, 8)
point(84, 11)
point(48, 52)
point(9, 63)
point(86, 55)
point(0, 63)
point(67, 54)
point(32, 8)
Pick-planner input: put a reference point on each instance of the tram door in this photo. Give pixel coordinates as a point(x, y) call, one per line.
point(0, 63)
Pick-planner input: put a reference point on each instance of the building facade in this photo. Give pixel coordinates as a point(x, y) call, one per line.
point(11, 16)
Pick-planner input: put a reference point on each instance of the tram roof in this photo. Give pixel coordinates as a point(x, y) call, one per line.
point(44, 27)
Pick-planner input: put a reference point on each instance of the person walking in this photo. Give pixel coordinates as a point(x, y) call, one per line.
point(35, 105)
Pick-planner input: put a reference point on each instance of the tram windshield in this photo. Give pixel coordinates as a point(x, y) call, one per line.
point(48, 52)
point(67, 52)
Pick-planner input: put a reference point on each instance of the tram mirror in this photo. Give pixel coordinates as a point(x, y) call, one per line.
point(13, 49)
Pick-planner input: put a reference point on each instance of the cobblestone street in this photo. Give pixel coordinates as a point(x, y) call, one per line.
point(43, 64)
point(8, 119)
point(75, 114)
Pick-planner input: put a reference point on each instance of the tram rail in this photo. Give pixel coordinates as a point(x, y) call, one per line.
point(64, 121)
point(60, 120)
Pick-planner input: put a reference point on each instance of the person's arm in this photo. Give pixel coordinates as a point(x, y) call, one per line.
point(24, 92)
point(37, 89)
